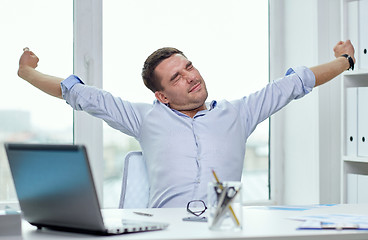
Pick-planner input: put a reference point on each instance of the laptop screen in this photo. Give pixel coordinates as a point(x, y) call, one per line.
point(54, 185)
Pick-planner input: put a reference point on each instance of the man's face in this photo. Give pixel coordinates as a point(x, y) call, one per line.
point(183, 86)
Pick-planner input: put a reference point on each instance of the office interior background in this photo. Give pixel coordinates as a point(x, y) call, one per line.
point(214, 40)
point(237, 45)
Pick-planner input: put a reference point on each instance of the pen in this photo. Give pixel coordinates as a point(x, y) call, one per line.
point(230, 208)
point(144, 214)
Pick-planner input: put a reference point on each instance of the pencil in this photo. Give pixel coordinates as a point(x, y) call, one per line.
point(230, 208)
point(143, 214)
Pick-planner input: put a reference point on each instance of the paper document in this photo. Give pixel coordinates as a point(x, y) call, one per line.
point(333, 221)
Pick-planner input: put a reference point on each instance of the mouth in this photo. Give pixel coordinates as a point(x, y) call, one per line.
point(195, 88)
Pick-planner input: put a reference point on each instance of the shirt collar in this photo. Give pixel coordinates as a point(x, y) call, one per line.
point(209, 106)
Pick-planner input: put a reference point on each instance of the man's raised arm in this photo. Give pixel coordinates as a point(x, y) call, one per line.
point(27, 70)
point(325, 72)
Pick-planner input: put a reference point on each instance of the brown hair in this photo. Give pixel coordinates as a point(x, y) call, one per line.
point(151, 63)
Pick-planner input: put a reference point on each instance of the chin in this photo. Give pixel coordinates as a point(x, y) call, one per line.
point(205, 95)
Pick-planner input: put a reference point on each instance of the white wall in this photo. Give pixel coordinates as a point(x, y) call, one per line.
point(305, 135)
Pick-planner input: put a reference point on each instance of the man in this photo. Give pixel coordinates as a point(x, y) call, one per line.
point(182, 137)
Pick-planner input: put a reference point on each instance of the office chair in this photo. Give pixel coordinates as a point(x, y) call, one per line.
point(135, 185)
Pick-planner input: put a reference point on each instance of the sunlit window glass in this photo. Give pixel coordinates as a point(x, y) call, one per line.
point(26, 113)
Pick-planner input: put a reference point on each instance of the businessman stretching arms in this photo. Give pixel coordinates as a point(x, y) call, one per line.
point(182, 136)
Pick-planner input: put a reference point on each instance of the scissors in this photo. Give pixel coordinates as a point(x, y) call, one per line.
point(225, 195)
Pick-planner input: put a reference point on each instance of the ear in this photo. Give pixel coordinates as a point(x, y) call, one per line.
point(160, 96)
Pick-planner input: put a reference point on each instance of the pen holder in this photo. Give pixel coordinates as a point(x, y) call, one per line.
point(225, 206)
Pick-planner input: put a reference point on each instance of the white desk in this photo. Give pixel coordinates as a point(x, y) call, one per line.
point(259, 223)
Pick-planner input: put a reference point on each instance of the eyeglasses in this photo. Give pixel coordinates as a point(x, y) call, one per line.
point(196, 207)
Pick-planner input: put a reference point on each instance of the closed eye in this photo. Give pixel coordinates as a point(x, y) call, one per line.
point(189, 66)
point(175, 77)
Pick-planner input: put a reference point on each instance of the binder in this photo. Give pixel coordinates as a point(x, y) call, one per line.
point(363, 34)
point(351, 188)
point(351, 121)
point(352, 25)
point(363, 121)
point(362, 189)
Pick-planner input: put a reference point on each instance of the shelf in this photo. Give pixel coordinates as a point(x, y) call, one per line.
point(355, 159)
point(356, 72)
point(353, 167)
point(356, 79)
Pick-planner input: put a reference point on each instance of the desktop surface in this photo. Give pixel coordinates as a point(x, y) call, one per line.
point(259, 223)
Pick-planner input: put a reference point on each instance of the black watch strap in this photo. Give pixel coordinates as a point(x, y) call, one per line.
point(351, 61)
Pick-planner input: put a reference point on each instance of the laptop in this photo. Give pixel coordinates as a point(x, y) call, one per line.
point(55, 189)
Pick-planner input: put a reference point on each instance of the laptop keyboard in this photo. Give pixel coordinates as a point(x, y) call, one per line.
point(127, 226)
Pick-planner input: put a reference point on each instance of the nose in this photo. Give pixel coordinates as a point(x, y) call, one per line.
point(190, 77)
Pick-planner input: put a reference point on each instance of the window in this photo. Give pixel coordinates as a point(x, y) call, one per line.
point(232, 33)
point(27, 114)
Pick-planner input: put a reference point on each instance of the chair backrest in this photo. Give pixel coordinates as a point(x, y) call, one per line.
point(135, 185)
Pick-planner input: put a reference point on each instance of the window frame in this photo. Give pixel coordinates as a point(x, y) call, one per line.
point(87, 64)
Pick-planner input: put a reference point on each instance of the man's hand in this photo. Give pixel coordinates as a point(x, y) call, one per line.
point(344, 48)
point(325, 72)
point(28, 59)
point(27, 70)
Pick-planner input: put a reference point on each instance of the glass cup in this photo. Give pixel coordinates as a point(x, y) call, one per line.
point(225, 206)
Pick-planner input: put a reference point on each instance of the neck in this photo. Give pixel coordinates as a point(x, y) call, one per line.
point(191, 113)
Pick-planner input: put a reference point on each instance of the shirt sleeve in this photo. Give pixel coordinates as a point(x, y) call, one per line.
point(119, 114)
point(69, 82)
point(262, 104)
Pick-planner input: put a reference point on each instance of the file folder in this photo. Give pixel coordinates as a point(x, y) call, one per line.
point(362, 189)
point(352, 188)
point(363, 121)
point(352, 25)
point(363, 34)
point(356, 188)
point(351, 121)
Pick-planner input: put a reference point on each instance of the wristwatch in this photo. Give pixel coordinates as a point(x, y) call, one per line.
point(351, 61)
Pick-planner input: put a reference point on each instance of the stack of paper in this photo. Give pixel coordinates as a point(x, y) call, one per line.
point(10, 224)
point(333, 221)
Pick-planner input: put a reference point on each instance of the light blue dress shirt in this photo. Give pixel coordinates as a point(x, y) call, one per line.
point(180, 151)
